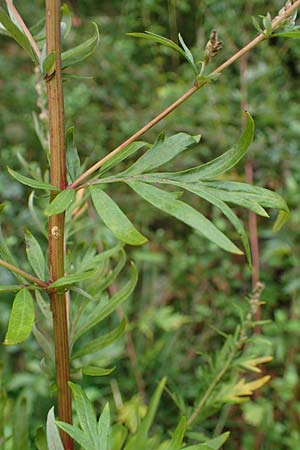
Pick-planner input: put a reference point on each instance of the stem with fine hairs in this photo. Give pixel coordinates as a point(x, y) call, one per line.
point(57, 222)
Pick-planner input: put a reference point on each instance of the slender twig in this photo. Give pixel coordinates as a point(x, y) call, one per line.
point(24, 27)
point(212, 386)
point(23, 274)
point(257, 40)
point(57, 222)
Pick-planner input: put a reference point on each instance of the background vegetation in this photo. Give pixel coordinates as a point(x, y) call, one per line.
point(189, 293)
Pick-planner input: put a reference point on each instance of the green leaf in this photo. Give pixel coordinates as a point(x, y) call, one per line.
point(31, 182)
point(282, 218)
point(66, 20)
point(256, 25)
point(48, 64)
point(17, 34)
point(219, 165)
point(72, 278)
point(262, 196)
point(7, 255)
point(120, 156)
point(188, 54)
point(82, 51)
point(104, 429)
point(21, 318)
point(94, 371)
point(101, 342)
point(212, 444)
point(209, 196)
point(114, 218)
point(20, 438)
point(40, 439)
point(100, 258)
point(288, 34)
point(45, 343)
point(73, 161)
point(112, 274)
point(10, 288)
point(160, 40)
point(267, 21)
point(61, 202)
point(138, 440)
point(85, 412)
point(78, 435)
point(161, 152)
point(35, 255)
point(185, 213)
point(177, 439)
point(53, 437)
point(104, 311)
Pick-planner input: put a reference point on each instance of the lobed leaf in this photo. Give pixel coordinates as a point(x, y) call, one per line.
point(104, 429)
point(85, 412)
point(219, 165)
point(21, 318)
point(114, 218)
point(185, 213)
point(77, 434)
point(53, 438)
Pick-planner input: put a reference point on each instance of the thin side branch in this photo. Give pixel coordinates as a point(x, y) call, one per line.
point(24, 28)
point(23, 274)
point(257, 40)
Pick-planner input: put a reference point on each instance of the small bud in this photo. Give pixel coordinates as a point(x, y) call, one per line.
point(213, 47)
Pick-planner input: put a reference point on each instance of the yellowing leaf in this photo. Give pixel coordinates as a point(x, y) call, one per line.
point(243, 390)
point(252, 364)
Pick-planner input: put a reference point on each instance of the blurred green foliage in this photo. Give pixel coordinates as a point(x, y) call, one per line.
point(187, 289)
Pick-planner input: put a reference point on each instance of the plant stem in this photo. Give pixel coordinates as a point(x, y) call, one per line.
point(212, 386)
point(23, 274)
point(56, 223)
point(257, 40)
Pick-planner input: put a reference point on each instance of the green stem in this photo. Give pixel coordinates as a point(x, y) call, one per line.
point(257, 40)
point(57, 222)
point(211, 387)
point(23, 274)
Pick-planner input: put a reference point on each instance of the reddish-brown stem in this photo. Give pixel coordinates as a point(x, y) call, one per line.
point(24, 28)
point(56, 223)
point(249, 178)
point(23, 274)
point(261, 37)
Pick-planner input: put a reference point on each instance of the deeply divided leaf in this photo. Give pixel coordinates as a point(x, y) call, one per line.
point(185, 213)
point(219, 165)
